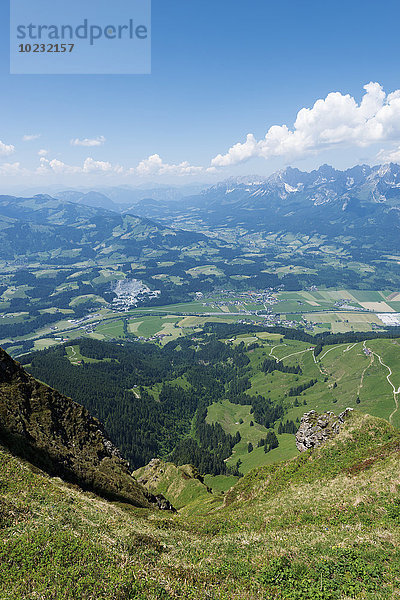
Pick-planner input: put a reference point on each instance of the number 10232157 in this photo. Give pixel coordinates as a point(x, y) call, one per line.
point(58, 48)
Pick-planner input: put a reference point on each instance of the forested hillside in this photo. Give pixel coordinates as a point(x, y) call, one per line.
point(225, 399)
point(148, 396)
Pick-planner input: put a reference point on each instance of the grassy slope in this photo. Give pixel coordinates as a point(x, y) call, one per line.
point(343, 372)
point(220, 483)
point(229, 416)
point(325, 525)
point(345, 365)
point(326, 522)
point(180, 485)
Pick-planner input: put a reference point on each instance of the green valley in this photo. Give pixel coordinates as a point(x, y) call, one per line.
point(242, 379)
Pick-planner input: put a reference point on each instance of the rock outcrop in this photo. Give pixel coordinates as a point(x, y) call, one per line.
point(59, 436)
point(315, 429)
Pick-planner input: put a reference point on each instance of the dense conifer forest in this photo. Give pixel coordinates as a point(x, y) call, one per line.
point(153, 401)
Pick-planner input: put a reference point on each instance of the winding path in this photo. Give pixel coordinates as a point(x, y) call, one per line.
point(396, 391)
point(322, 369)
point(273, 348)
point(361, 384)
point(73, 358)
point(288, 355)
point(330, 350)
point(294, 353)
point(350, 347)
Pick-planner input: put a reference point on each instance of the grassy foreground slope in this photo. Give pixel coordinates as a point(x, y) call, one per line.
point(324, 525)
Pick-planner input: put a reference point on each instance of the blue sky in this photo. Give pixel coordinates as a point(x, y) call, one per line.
point(220, 71)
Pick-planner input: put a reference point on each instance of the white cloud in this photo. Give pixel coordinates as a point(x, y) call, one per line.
point(89, 166)
point(387, 156)
point(30, 138)
point(336, 120)
point(57, 166)
point(12, 169)
point(154, 165)
point(89, 142)
point(5, 149)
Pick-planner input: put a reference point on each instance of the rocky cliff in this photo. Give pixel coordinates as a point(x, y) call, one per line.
point(62, 438)
point(315, 429)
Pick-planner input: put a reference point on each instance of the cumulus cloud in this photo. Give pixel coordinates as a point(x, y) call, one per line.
point(89, 166)
point(335, 120)
point(387, 156)
point(12, 169)
point(151, 166)
point(57, 166)
point(89, 142)
point(154, 165)
point(31, 137)
point(6, 149)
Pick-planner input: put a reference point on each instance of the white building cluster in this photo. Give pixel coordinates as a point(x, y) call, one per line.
point(129, 292)
point(390, 319)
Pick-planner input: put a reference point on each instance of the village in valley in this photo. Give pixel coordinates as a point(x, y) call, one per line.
point(134, 313)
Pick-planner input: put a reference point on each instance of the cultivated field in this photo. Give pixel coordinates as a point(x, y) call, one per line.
point(316, 311)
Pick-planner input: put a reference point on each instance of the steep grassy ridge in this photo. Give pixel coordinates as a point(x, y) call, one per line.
point(61, 437)
point(324, 525)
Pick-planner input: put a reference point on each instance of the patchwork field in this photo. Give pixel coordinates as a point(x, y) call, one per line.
point(316, 311)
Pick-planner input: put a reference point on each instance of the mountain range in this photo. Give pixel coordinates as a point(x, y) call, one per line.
point(360, 205)
point(326, 201)
point(43, 223)
point(125, 198)
point(355, 190)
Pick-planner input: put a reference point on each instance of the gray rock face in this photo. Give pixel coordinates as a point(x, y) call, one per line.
point(315, 429)
point(164, 504)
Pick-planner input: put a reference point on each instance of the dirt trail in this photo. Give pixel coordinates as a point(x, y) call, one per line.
point(273, 348)
point(361, 384)
point(322, 369)
point(294, 353)
point(396, 391)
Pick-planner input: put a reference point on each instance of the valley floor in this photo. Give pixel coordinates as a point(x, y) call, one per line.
point(315, 311)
